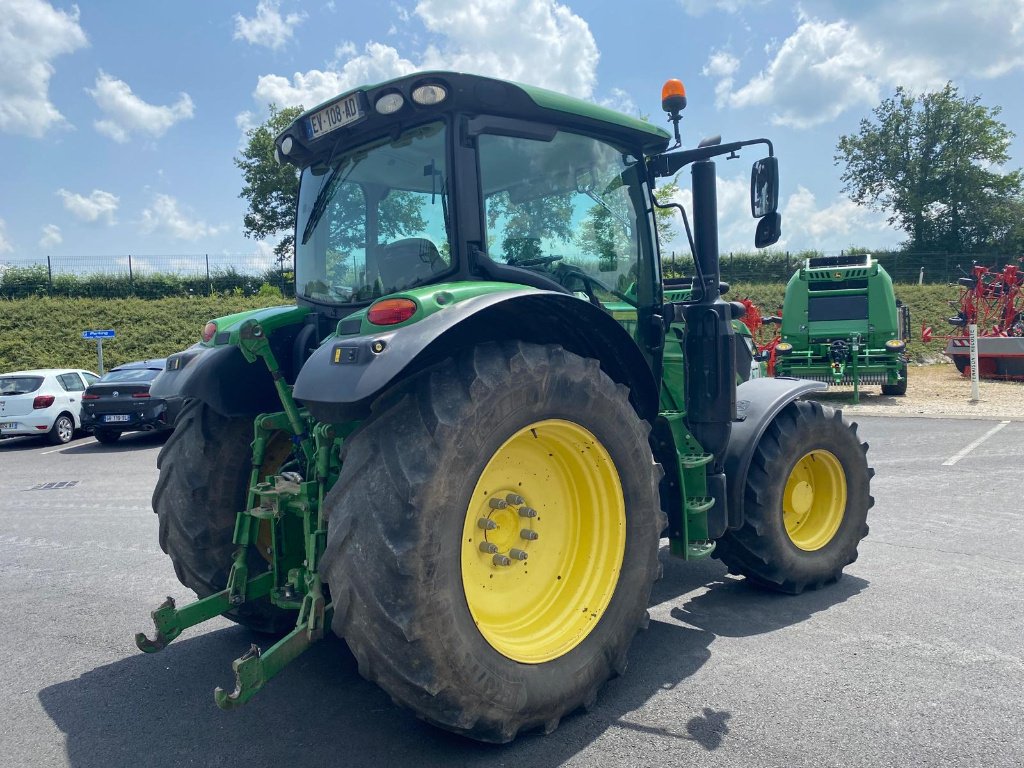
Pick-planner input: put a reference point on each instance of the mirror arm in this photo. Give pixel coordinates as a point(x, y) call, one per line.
point(669, 164)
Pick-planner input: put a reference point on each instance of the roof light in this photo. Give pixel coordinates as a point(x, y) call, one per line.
point(428, 95)
point(389, 103)
point(287, 145)
point(673, 96)
point(391, 311)
point(209, 331)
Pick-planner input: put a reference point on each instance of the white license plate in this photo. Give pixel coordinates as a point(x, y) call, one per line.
point(334, 116)
point(8, 424)
point(116, 417)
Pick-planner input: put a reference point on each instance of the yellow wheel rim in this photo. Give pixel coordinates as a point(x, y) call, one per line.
point(814, 500)
point(543, 541)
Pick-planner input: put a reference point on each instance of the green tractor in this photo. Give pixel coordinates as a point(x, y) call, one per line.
point(462, 447)
point(842, 324)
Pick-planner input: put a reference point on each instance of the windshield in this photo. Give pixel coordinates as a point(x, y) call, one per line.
point(374, 220)
point(563, 207)
point(19, 385)
point(131, 374)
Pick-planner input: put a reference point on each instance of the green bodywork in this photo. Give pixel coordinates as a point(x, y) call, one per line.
point(288, 507)
point(826, 303)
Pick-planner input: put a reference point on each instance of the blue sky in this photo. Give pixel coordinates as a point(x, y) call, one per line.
point(119, 120)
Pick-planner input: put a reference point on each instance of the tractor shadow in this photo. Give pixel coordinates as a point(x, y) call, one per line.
point(158, 711)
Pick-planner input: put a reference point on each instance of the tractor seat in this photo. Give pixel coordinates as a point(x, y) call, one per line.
point(408, 261)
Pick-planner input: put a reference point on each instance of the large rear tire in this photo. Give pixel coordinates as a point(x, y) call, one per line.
point(204, 480)
point(806, 502)
point(432, 516)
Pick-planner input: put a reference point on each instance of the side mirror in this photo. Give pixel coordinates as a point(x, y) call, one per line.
point(769, 230)
point(764, 187)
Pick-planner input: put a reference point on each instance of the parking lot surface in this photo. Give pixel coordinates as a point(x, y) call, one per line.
point(915, 658)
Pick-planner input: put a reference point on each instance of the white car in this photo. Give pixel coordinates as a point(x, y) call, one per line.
point(46, 402)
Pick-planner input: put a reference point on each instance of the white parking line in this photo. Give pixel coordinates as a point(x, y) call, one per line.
point(65, 447)
point(955, 458)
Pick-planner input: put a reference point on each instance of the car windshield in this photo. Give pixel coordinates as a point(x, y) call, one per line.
point(131, 374)
point(19, 385)
point(374, 220)
point(565, 207)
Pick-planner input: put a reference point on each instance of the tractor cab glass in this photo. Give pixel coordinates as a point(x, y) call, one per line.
point(374, 220)
point(566, 208)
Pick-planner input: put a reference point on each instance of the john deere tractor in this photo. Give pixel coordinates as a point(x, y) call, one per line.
point(461, 448)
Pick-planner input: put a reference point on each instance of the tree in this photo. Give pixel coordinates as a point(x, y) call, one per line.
point(270, 188)
point(932, 163)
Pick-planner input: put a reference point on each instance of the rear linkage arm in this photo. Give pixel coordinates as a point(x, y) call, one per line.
point(269, 500)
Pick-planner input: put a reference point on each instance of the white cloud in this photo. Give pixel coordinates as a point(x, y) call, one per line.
point(97, 205)
point(844, 55)
point(268, 27)
point(839, 225)
point(722, 65)
point(378, 62)
point(32, 34)
point(126, 113)
point(166, 216)
point(735, 226)
point(51, 237)
point(5, 244)
point(620, 101)
point(535, 41)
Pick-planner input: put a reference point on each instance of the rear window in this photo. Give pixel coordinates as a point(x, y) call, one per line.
point(822, 308)
point(19, 385)
point(131, 374)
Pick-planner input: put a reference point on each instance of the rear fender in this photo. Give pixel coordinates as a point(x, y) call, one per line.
point(343, 377)
point(223, 379)
point(758, 402)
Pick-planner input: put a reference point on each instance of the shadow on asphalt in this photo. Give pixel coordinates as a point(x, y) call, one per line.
point(130, 441)
point(158, 710)
point(28, 443)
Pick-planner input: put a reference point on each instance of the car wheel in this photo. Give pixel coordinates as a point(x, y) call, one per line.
point(62, 431)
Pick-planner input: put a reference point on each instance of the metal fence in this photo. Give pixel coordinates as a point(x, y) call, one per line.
point(144, 276)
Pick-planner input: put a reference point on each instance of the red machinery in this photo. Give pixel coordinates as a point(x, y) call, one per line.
point(994, 302)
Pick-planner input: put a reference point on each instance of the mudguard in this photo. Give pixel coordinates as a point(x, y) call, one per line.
point(758, 401)
point(347, 373)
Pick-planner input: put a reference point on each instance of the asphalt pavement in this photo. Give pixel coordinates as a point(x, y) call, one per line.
point(914, 658)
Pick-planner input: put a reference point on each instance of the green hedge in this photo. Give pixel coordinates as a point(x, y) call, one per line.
point(47, 332)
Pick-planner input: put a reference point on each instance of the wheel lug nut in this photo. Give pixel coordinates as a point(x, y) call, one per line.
point(486, 523)
point(501, 560)
point(517, 554)
point(527, 512)
point(487, 548)
point(514, 499)
point(529, 535)
point(498, 503)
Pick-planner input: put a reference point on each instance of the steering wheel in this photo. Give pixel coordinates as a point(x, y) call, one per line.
point(567, 272)
point(534, 262)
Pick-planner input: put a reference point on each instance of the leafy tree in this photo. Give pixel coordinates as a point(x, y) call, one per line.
point(271, 189)
point(932, 163)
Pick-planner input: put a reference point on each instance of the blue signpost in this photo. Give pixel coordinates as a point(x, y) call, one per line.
point(98, 337)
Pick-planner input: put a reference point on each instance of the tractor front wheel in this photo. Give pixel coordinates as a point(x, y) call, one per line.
point(203, 484)
point(806, 502)
point(493, 539)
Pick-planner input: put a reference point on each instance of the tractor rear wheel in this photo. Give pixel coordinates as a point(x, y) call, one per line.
point(899, 388)
point(806, 502)
point(493, 538)
point(204, 481)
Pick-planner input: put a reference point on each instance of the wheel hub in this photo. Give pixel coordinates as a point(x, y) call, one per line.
point(814, 500)
point(543, 541)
